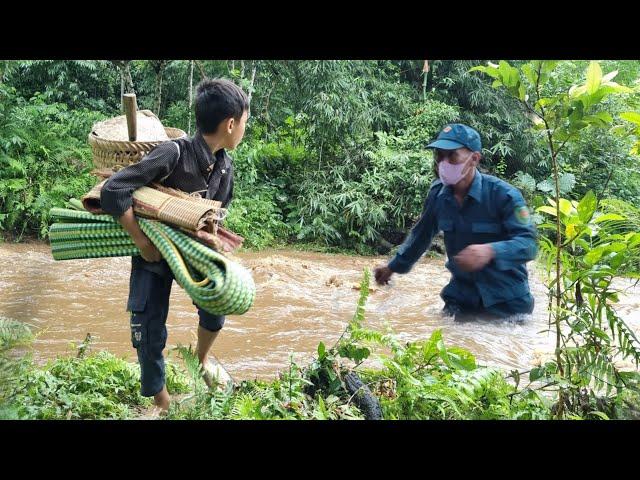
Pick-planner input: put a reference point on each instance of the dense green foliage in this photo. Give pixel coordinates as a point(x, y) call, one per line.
point(334, 157)
point(584, 248)
point(334, 153)
point(87, 386)
point(44, 159)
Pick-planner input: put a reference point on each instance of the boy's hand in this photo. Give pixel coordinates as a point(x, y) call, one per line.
point(382, 274)
point(149, 251)
point(475, 257)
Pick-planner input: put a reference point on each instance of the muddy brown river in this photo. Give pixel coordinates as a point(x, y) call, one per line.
point(302, 298)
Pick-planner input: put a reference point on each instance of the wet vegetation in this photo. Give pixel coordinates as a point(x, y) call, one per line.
point(416, 380)
point(334, 159)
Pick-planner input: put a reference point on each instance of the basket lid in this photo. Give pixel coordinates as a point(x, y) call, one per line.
point(149, 128)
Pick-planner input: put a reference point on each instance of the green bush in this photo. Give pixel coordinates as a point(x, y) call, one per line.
point(44, 160)
point(98, 386)
point(358, 201)
point(257, 218)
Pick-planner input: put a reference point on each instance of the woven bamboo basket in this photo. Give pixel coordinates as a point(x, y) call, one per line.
point(118, 153)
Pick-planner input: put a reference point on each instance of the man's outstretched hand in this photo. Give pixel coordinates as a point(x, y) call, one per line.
point(382, 274)
point(474, 257)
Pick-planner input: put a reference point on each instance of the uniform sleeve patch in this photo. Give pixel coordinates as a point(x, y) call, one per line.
point(522, 215)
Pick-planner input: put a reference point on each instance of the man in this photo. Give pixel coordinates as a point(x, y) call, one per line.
point(488, 233)
point(198, 164)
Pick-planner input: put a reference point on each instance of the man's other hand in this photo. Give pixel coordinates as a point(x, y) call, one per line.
point(474, 257)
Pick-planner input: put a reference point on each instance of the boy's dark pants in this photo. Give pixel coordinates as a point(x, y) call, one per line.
point(149, 306)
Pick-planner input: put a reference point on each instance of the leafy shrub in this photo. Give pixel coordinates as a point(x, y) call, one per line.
point(257, 218)
point(44, 160)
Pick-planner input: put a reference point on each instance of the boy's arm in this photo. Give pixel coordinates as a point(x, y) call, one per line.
point(116, 196)
point(147, 249)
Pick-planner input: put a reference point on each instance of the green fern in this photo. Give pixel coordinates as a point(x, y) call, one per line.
point(245, 407)
point(193, 366)
point(475, 383)
point(13, 332)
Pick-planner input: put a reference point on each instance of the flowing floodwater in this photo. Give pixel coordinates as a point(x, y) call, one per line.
point(302, 299)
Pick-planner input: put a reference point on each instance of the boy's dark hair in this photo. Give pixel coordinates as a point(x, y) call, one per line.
point(216, 100)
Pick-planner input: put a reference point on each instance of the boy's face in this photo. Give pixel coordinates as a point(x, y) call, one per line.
point(234, 130)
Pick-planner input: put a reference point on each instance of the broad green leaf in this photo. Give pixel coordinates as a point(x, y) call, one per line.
point(593, 256)
point(613, 87)
point(530, 73)
point(577, 91)
point(600, 119)
point(574, 127)
point(617, 260)
point(489, 70)
point(582, 243)
point(549, 65)
point(597, 413)
point(587, 207)
point(522, 92)
point(565, 206)
point(594, 77)
point(577, 112)
point(545, 186)
point(322, 350)
point(546, 102)
point(536, 373)
point(510, 75)
point(461, 358)
point(547, 209)
point(634, 240)
point(609, 217)
point(633, 117)
point(617, 247)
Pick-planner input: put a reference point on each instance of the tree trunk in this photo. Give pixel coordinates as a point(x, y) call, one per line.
point(253, 79)
point(126, 82)
point(201, 68)
point(158, 67)
point(425, 70)
point(158, 94)
point(190, 94)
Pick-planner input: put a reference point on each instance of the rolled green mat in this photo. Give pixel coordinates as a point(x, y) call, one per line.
point(215, 283)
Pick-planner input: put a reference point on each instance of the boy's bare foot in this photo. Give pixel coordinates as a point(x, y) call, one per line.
point(153, 413)
point(215, 376)
point(162, 399)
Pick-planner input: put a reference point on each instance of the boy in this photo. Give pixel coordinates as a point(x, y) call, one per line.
point(198, 164)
